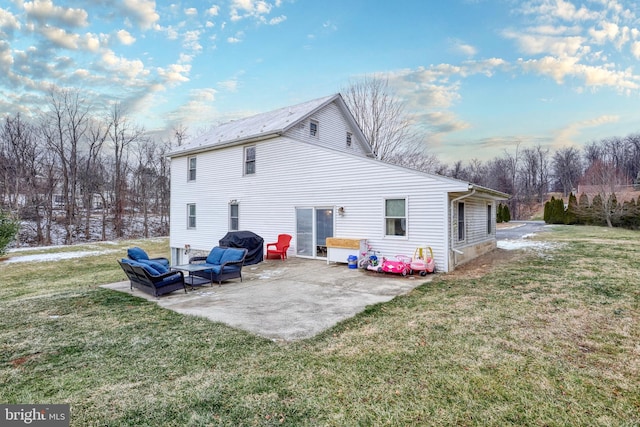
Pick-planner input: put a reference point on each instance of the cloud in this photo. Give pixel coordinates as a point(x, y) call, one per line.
point(532, 43)
point(231, 85)
point(237, 38)
point(142, 11)
point(125, 37)
point(129, 69)
point(256, 9)
point(465, 49)
point(191, 11)
point(592, 76)
point(6, 58)
point(44, 11)
point(197, 110)
point(60, 37)
point(566, 135)
point(175, 73)
point(561, 9)
point(213, 11)
point(8, 24)
point(191, 40)
point(440, 122)
point(277, 20)
point(635, 49)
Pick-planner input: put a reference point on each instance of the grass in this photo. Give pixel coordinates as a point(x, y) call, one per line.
point(545, 339)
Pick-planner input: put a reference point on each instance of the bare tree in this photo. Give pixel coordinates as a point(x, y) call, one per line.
point(121, 135)
point(567, 169)
point(92, 180)
point(381, 117)
point(64, 125)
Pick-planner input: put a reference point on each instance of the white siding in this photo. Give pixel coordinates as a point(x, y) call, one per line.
point(290, 174)
point(332, 131)
point(475, 210)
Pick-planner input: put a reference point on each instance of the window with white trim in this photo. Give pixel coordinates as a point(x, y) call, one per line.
point(395, 217)
point(460, 221)
point(191, 174)
point(489, 219)
point(313, 128)
point(250, 160)
point(191, 216)
point(234, 216)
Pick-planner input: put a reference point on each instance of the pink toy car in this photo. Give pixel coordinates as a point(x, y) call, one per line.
point(401, 265)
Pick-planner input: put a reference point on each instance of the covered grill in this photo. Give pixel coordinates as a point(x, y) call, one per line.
point(248, 240)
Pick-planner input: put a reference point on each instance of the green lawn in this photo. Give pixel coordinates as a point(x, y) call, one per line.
point(546, 339)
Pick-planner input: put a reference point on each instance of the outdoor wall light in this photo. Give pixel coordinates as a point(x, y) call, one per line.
point(187, 249)
point(341, 211)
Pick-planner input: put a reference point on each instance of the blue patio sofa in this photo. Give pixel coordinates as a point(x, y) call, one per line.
point(152, 277)
point(225, 263)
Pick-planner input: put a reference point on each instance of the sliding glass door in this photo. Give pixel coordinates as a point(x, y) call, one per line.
point(313, 226)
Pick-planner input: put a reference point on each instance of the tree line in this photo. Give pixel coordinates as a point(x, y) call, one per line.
point(73, 168)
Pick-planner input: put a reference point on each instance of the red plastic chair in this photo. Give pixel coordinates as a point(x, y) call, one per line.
point(280, 247)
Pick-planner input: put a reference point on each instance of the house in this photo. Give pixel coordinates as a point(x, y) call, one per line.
point(308, 171)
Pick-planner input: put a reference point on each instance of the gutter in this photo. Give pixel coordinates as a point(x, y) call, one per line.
point(215, 146)
point(457, 199)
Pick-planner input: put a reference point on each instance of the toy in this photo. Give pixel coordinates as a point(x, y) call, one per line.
point(401, 265)
point(421, 262)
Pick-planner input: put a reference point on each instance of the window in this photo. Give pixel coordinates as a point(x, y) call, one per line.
point(460, 221)
point(233, 216)
point(489, 220)
point(250, 160)
point(191, 215)
point(192, 169)
point(313, 128)
point(395, 217)
point(349, 136)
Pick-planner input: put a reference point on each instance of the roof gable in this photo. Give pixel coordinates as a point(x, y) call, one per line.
point(263, 125)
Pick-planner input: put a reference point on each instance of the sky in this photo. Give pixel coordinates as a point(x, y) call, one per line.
point(478, 77)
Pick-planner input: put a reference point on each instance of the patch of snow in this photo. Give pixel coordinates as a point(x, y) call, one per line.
point(540, 248)
point(57, 256)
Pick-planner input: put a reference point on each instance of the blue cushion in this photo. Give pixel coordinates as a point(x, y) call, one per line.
point(215, 269)
point(160, 268)
point(149, 268)
point(162, 261)
point(168, 280)
point(137, 254)
point(215, 255)
point(231, 254)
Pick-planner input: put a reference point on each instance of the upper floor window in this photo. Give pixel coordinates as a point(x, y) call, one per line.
point(313, 128)
point(192, 169)
point(460, 221)
point(395, 217)
point(349, 136)
point(191, 215)
point(250, 160)
point(489, 219)
point(234, 216)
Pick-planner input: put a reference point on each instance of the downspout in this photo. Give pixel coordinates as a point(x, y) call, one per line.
point(451, 237)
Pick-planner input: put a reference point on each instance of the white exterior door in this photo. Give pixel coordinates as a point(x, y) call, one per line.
point(313, 226)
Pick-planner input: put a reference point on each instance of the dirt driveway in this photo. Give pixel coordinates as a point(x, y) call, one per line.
point(286, 300)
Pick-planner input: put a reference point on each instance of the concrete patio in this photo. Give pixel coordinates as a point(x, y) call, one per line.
point(286, 300)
